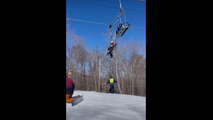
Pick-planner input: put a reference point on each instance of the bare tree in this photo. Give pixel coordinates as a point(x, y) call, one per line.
point(91, 67)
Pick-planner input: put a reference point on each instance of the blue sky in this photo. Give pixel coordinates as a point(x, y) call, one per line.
point(93, 32)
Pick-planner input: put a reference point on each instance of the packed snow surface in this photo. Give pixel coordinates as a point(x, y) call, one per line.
point(107, 106)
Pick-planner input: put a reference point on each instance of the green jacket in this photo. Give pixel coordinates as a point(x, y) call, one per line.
point(111, 80)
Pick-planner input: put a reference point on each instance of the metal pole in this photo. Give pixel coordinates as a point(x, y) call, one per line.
point(120, 3)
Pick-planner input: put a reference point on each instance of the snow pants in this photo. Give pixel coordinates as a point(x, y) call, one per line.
point(110, 52)
point(111, 90)
point(69, 93)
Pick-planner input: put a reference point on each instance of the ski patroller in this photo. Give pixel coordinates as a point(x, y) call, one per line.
point(114, 83)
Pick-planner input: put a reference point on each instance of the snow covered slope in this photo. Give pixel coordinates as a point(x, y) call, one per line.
point(106, 106)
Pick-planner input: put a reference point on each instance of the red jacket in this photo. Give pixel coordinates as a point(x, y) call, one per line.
point(69, 83)
point(113, 44)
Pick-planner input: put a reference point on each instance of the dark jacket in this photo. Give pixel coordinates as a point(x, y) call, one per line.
point(114, 81)
point(69, 83)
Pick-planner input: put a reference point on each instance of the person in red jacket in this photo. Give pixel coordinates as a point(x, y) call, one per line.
point(70, 86)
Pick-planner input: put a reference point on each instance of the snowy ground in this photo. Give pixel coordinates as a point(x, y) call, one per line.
point(106, 106)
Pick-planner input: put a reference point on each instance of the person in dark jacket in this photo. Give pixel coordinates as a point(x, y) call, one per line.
point(70, 86)
point(111, 48)
point(111, 81)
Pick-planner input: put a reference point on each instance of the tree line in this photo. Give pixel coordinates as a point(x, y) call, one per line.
point(91, 68)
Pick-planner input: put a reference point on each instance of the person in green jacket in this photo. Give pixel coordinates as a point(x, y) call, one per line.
point(111, 81)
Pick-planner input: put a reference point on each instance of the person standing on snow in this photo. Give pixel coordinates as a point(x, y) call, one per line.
point(70, 86)
point(111, 81)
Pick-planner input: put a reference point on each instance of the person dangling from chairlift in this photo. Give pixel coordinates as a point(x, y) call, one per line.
point(113, 44)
